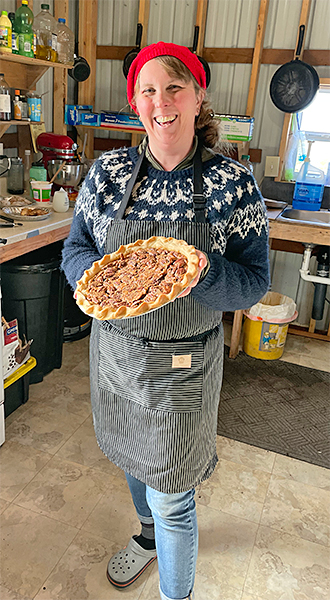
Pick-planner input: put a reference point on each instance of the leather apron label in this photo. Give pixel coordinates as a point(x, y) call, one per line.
point(181, 361)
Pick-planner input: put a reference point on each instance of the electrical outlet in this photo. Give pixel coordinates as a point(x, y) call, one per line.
point(272, 166)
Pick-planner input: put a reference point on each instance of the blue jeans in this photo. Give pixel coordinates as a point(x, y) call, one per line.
point(176, 535)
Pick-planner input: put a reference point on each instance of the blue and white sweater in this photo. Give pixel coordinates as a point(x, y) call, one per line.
point(239, 268)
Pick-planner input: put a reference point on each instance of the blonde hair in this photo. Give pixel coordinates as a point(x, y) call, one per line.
point(206, 127)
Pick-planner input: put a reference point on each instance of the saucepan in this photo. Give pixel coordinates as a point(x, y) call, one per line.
point(134, 52)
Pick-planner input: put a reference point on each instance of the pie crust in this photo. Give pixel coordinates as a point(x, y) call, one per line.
point(104, 311)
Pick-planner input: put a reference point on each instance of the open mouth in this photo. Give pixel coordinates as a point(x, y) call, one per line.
point(165, 121)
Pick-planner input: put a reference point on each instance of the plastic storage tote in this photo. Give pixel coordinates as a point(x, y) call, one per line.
point(33, 293)
point(266, 326)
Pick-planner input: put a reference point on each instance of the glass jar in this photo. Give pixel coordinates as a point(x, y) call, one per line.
point(15, 181)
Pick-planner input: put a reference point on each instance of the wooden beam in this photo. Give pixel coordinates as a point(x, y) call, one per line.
point(304, 15)
point(201, 23)
point(143, 18)
point(258, 47)
point(61, 10)
point(269, 56)
point(87, 49)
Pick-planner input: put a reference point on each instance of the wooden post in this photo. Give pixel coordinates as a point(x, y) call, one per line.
point(143, 18)
point(87, 49)
point(61, 10)
point(257, 54)
point(304, 15)
point(201, 22)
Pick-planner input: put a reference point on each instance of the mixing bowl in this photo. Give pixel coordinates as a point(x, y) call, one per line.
point(70, 175)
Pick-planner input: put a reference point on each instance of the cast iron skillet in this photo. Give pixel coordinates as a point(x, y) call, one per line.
point(133, 53)
point(200, 58)
point(294, 85)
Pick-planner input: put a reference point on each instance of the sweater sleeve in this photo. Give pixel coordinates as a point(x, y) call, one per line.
point(239, 277)
point(80, 248)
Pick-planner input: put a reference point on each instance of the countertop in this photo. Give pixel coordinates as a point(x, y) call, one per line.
point(34, 234)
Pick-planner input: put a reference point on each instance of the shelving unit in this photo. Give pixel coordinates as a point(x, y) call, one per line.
point(23, 73)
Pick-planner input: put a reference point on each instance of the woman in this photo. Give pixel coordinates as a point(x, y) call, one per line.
point(155, 421)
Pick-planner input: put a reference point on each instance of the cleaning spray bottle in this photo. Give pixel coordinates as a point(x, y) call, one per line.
point(309, 187)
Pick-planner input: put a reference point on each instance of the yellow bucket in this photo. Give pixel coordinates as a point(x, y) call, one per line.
point(265, 340)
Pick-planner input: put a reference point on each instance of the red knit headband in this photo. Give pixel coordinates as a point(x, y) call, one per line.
point(164, 49)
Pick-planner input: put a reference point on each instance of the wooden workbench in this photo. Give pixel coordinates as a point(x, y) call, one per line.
point(286, 231)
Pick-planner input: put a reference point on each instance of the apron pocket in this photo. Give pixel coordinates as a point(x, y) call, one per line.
point(166, 376)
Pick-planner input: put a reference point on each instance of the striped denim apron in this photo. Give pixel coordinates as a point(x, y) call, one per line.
point(153, 420)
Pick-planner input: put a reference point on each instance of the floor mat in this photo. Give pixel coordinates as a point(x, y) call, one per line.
point(277, 406)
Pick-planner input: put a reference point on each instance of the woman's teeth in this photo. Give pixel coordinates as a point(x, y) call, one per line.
point(165, 120)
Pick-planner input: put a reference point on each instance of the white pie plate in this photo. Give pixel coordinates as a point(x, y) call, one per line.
point(14, 212)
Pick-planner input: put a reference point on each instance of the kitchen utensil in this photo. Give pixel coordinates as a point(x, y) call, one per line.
point(56, 147)
point(69, 176)
point(134, 52)
point(200, 58)
point(7, 224)
point(58, 170)
point(80, 70)
point(3, 241)
point(294, 84)
point(8, 219)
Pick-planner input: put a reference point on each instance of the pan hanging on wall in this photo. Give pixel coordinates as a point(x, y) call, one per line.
point(134, 52)
point(294, 84)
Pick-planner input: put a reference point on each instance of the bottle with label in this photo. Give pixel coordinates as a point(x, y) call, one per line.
point(27, 166)
point(5, 99)
point(23, 28)
point(45, 29)
point(17, 106)
point(5, 33)
point(14, 38)
point(308, 190)
point(65, 43)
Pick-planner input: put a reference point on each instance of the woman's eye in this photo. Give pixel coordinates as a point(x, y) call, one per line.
point(175, 87)
point(148, 91)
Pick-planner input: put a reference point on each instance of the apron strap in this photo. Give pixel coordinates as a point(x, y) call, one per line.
point(198, 196)
point(123, 205)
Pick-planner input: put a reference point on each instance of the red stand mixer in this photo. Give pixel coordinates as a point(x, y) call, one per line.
point(55, 149)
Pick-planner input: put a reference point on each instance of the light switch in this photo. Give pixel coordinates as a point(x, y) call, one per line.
point(272, 166)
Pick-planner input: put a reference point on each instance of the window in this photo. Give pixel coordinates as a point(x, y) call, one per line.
point(313, 125)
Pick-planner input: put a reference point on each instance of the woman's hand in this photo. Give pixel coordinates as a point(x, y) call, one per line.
point(202, 263)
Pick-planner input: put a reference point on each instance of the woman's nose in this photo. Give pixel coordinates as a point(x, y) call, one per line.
point(161, 99)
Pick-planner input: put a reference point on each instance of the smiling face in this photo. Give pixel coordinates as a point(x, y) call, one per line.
point(168, 106)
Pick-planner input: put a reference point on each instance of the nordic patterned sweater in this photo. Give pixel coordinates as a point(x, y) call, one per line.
point(239, 268)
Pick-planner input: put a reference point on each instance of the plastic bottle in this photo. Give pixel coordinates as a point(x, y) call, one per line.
point(17, 106)
point(27, 166)
point(65, 43)
point(5, 99)
point(14, 38)
point(23, 29)
point(45, 28)
point(308, 190)
point(5, 33)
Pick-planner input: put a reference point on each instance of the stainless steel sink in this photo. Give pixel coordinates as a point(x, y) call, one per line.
point(310, 217)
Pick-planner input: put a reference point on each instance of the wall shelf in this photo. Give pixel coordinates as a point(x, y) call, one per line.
point(23, 72)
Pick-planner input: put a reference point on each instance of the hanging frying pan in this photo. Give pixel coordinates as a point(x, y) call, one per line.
point(200, 58)
point(133, 53)
point(294, 85)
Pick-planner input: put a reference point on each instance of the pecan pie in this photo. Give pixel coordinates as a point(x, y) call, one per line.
point(137, 278)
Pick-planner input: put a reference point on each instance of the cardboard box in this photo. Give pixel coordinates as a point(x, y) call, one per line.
point(236, 128)
point(91, 119)
point(73, 113)
point(123, 121)
point(14, 354)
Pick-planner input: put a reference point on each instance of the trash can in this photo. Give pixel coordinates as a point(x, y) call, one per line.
point(77, 325)
point(33, 291)
point(266, 326)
